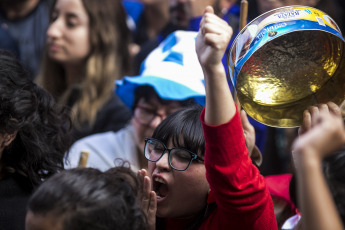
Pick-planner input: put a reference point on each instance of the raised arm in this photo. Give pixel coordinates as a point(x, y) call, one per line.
point(213, 37)
point(322, 133)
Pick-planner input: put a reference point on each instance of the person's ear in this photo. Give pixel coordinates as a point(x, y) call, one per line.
point(8, 138)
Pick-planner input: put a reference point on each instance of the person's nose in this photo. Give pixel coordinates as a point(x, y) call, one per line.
point(163, 163)
point(55, 29)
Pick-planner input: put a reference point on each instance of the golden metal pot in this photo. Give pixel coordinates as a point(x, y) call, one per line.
point(286, 60)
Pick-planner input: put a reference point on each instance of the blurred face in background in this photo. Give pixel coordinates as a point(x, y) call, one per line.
point(180, 12)
point(68, 38)
point(148, 114)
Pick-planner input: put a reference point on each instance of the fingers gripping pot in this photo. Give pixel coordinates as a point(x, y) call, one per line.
point(286, 60)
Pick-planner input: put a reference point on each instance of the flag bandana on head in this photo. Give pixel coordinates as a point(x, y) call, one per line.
point(172, 69)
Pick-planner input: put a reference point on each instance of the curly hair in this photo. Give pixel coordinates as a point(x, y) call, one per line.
point(108, 60)
point(86, 198)
point(43, 128)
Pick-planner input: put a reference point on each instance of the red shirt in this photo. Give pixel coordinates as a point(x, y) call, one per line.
point(243, 200)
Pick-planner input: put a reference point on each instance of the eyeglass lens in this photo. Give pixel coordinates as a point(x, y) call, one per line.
point(178, 158)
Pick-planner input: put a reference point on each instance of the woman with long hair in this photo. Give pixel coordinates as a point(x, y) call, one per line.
point(87, 49)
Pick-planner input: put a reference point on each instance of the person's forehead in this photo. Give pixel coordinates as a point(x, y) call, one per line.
point(73, 7)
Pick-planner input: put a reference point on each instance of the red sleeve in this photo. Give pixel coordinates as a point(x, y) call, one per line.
point(242, 198)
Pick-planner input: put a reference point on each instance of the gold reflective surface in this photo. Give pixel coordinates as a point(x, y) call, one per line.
point(286, 60)
point(285, 76)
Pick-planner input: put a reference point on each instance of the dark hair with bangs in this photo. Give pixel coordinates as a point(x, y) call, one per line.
point(184, 129)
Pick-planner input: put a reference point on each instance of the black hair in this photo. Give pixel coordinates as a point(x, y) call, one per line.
point(88, 199)
point(123, 171)
point(147, 92)
point(184, 129)
point(43, 127)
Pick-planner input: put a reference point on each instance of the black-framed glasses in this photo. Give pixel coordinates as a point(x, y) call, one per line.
point(179, 158)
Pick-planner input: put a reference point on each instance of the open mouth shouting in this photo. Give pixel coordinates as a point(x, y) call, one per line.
point(160, 187)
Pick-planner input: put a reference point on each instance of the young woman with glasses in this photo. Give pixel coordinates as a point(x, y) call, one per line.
point(200, 175)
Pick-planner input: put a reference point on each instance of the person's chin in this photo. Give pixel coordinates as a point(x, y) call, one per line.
point(56, 56)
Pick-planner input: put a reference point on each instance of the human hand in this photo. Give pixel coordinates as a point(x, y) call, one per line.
point(310, 115)
point(306, 123)
point(213, 38)
point(147, 199)
point(307, 117)
point(322, 131)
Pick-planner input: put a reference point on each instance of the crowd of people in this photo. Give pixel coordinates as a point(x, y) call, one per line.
point(142, 87)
